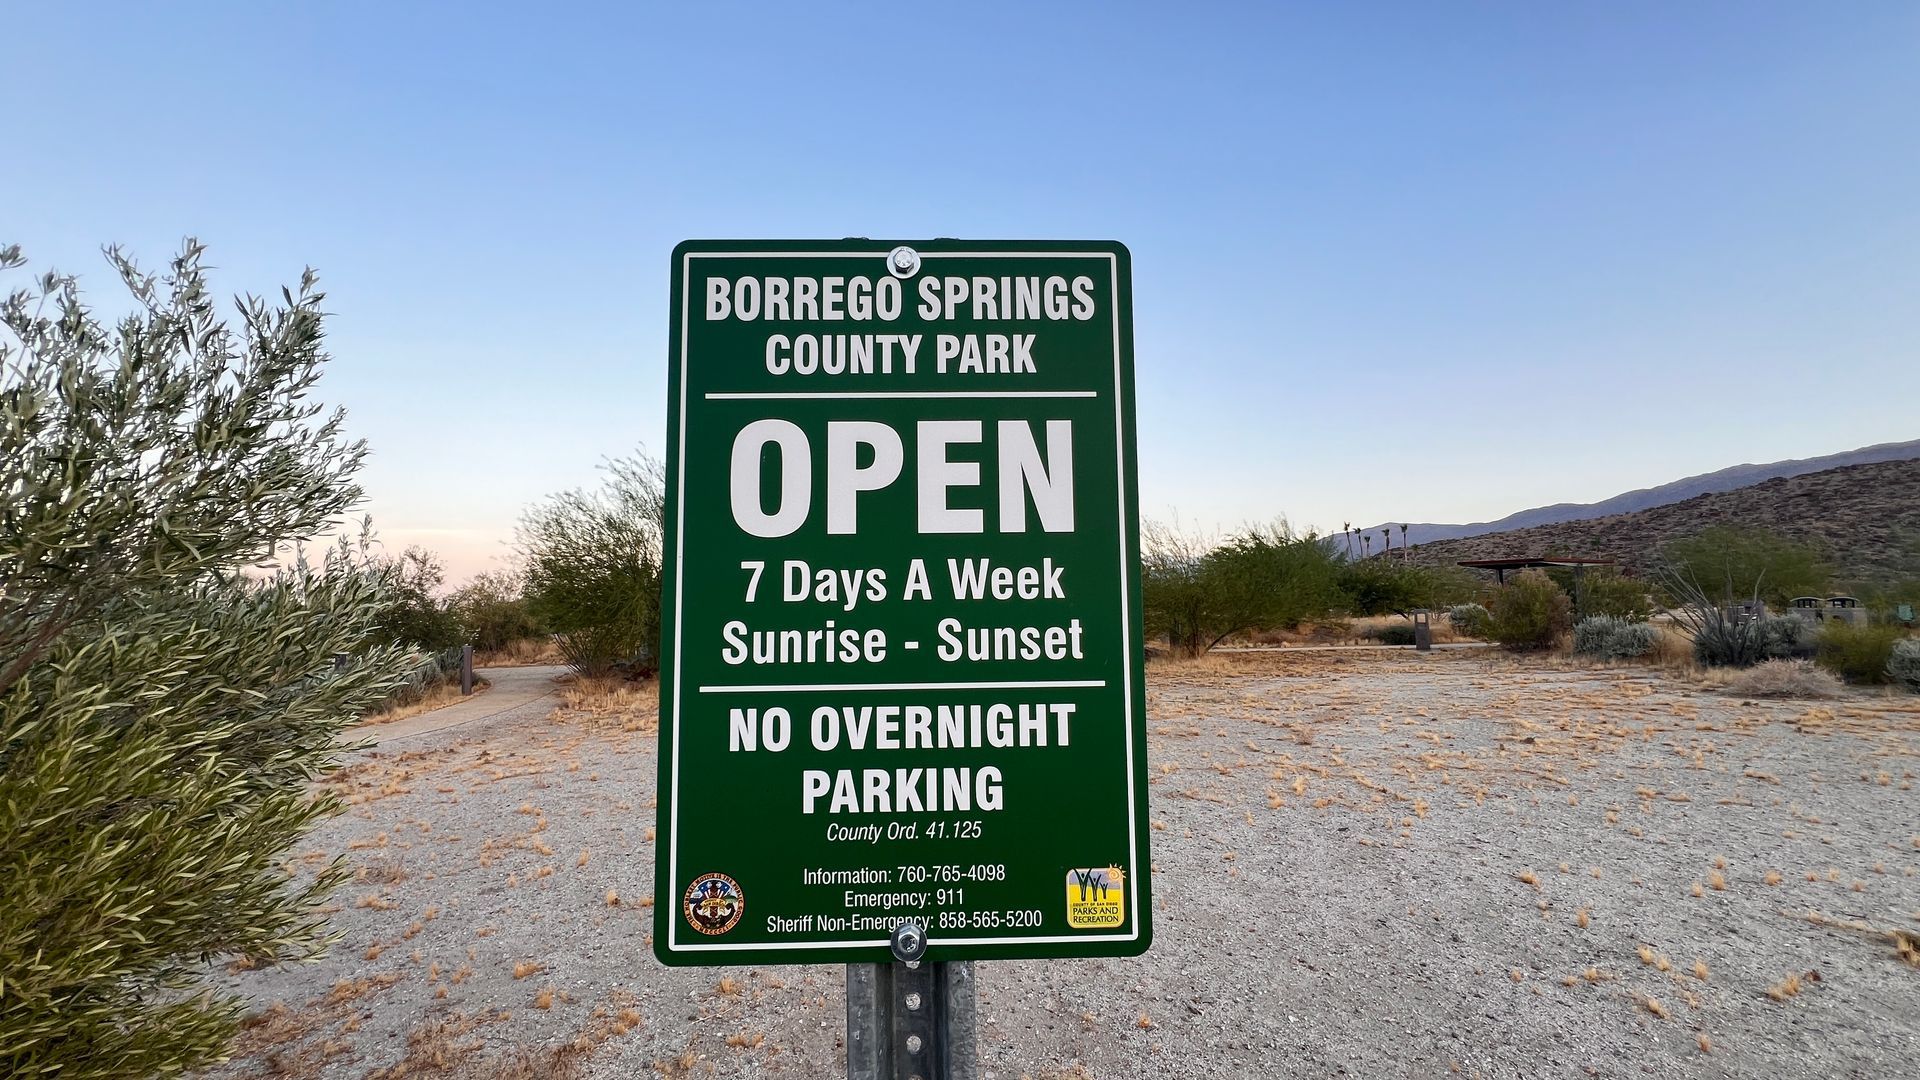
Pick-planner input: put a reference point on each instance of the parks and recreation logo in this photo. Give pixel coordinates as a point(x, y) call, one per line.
point(1095, 899)
point(713, 903)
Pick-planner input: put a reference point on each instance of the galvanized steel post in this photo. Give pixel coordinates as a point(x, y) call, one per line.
point(911, 1020)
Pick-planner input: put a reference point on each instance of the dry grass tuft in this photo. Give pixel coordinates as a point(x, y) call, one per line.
point(610, 703)
point(1785, 988)
point(524, 968)
point(1672, 650)
point(1706, 1044)
point(1906, 945)
point(743, 1040)
point(1786, 679)
point(524, 652)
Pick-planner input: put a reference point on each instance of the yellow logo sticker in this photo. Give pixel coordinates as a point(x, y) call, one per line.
point(1096, 898)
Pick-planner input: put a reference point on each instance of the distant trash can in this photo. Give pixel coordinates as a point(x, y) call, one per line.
point(1423, 631)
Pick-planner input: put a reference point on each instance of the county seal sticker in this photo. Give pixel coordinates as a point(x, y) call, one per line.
point(1095, 899)
point(713, 903)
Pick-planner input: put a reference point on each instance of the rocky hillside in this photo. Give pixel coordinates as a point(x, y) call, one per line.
point(1865, 518)
point(1728, 479)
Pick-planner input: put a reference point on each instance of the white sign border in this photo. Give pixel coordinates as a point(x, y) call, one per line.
point(1134, 869)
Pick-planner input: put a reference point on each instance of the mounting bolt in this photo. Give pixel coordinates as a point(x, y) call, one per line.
point(903, 262)
point(909, 942)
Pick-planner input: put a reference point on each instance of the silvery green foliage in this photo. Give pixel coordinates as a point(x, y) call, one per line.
point(139, 453)
point(1468, 619)
point(164, 710)
point(1731, 641)
point(1903, 667)
point(1605, 637)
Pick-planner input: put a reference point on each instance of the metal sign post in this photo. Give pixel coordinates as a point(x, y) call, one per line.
point(911, 1020)
point(902, 706)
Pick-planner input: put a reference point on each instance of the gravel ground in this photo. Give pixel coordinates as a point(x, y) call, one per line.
point(1366, 865)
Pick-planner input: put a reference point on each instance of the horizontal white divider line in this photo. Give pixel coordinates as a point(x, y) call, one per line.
point(1041, 684)
point(791, 395)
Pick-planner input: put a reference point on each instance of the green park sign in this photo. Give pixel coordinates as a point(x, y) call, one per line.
point(901, 661)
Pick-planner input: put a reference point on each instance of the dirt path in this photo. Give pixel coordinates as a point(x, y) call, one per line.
point(514, 689)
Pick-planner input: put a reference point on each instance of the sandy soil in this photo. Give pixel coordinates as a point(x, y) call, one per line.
point(1371, 865)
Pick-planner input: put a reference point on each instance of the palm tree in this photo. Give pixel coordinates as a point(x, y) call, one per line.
point(1346, 529)
point(1403, 542)
point(1366, 545)
point(1386, 540)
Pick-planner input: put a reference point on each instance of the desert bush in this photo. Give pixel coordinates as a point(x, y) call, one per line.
point(1606, 637)
point(1728, 566)
point(1529, 612)
point(425, 672)
point(1732, 639)
point(1903, 664)
point(162, 713)
point(1197, 592)
point(592, 565)
point(416, 614)
point(1393, 634)
point(1604, 591)
point(1725, 635)
point(492, 612)
point(1383, 587)
point(1469, 619)
point(1785, 679)
point(1858, 654)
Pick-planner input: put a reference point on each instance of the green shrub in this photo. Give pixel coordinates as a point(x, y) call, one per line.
point(1858, 654)
point(1529, 612)
point(1383, 587)
point(416, 616)
point(1610, 593)
point(163, 712)
point(1903, 664)
point(1605, 637)
point(1724, 639)
point(1727, 566)
point(492, 612)
point(1197, 592)
point(1393, 634)
point(593, 569)
point(1468, 619)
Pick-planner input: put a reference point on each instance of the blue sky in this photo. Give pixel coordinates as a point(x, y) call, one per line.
point(1427, 262)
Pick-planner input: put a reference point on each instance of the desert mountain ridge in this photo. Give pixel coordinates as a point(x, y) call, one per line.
point(1864, 519)
point(1728, 479)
